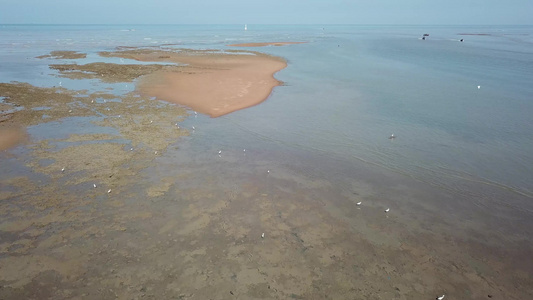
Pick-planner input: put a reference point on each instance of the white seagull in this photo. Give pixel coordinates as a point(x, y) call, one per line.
point(440, 298)
point(478, 87)
point(263, 235)
point(392, 136)
point(193, 128)
point(387, 210)
point(94, 185)
point(63, 170)
point(358, 203)
point(109, 191)
point(219, 151)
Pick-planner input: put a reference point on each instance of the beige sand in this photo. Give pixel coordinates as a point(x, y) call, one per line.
point(210, 82)
point(265, 44)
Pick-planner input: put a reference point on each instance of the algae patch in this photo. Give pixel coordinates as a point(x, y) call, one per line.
point(107, 72)
point(63, 55)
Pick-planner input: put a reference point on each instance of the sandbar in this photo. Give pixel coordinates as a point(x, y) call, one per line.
point(211, 82)
point(265, 44)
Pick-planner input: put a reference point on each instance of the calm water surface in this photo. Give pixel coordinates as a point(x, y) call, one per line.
point(346, 91)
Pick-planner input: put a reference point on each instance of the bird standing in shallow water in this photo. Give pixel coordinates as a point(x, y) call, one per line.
point(387, 210)
point(440, 298)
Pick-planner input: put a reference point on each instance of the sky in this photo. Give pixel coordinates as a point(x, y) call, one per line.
point(405, 12)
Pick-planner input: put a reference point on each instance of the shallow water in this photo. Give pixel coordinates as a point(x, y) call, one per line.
point(458, 172)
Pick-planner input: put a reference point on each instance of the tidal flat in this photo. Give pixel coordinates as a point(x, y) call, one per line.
point(107, 196)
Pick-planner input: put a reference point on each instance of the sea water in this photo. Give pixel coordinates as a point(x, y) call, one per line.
point(460, 111)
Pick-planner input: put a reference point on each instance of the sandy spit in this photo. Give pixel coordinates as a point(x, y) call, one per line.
point(210, 82)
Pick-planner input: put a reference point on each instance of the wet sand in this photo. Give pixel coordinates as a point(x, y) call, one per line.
point(211, 82)
point(167, 221)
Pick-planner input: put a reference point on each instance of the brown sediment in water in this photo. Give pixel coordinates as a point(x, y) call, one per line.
point(10, 137)
point(211, 82)
point(143, 124)
point(265, 44)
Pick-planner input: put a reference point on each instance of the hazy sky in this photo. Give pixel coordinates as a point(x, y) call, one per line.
point(451, 12)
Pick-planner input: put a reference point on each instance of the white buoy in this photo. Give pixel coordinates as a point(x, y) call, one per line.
point(109, 191)
point(94, 185)
point(387, 210)
point(263, 235)
point(440, 298)
point(358, 203)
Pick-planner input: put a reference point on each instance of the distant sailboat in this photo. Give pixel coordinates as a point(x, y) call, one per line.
point(245, 27)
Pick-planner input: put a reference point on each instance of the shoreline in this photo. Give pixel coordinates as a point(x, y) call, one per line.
point(210, 82)
point(277, 44)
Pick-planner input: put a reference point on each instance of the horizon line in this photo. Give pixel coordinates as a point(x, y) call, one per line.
point(239, 24)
